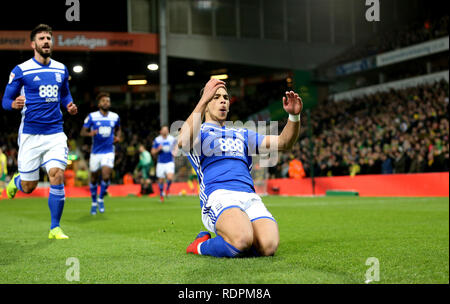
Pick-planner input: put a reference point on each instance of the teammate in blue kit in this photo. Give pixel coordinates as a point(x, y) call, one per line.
point(164, 148)
point(104, 128)
point(39, 87)
point(222, 158)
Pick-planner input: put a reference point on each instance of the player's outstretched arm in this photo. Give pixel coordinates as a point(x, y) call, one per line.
point(293, 105)
point(191, 126)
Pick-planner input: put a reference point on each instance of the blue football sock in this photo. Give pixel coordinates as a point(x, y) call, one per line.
point(103, 187)
point(161, 189)
point(218, 247)
point(18, 182)
point(56, 200)
point(93, 189)
point(168, 186)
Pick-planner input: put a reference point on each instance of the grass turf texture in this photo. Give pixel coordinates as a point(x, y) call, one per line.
point(140, 240)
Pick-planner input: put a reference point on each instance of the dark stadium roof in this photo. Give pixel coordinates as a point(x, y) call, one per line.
point(98, 15)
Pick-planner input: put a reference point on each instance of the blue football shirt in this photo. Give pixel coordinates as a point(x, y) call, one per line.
point(168, 144)
point(103, 141)
point(46, 88)
point(222, 159)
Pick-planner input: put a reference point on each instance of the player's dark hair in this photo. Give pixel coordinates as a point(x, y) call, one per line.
point(101, 95)
point(39, 29)
point(203, 89)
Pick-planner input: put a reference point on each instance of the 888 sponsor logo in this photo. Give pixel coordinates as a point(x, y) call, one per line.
point(230, 145)
point(49, 92)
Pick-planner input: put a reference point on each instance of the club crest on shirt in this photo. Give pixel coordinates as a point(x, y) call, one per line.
point(58, 77)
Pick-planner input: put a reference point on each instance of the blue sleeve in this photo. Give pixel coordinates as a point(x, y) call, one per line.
point(65, 96)
point(254, 140)
point(118, 122)
point(155, 144)
point(13, 88)
point(87, 122)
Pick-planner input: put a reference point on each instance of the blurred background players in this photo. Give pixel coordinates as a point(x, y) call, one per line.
point(164, 148)
point(144, 166)
point(39, 87)
point(104, 128)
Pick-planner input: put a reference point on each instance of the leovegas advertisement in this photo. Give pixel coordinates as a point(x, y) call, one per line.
point(85, 41)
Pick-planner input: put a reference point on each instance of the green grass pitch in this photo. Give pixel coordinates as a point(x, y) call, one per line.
point(140, 240)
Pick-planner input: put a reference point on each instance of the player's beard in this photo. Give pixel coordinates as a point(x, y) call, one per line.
point(104, 108)
point(43, 53)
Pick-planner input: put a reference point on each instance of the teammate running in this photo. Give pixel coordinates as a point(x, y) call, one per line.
point(104, 128)
point(164, 148)
point(39, 87)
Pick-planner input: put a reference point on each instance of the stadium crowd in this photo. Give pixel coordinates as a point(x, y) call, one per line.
point(385, 41)
point(400, 131)
point(403, 131)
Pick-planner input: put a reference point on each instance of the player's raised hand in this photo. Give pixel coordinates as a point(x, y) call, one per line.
point(72, 108)
point(18, 103)
point(210, 89)
point(292, 103)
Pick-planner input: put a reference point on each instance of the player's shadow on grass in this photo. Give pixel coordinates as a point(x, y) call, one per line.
point(12, 251)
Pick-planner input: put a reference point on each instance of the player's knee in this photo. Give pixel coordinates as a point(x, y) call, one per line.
point(28, 187)
point(268, 247)
point(106, 174)
point(242, 241)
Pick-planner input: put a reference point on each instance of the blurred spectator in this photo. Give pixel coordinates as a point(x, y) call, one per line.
point(355, 168)
point(69, 177)
point(386, 166)
point(128, 179)
point(400, 131)
point(82, 175)
point(296, 170)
